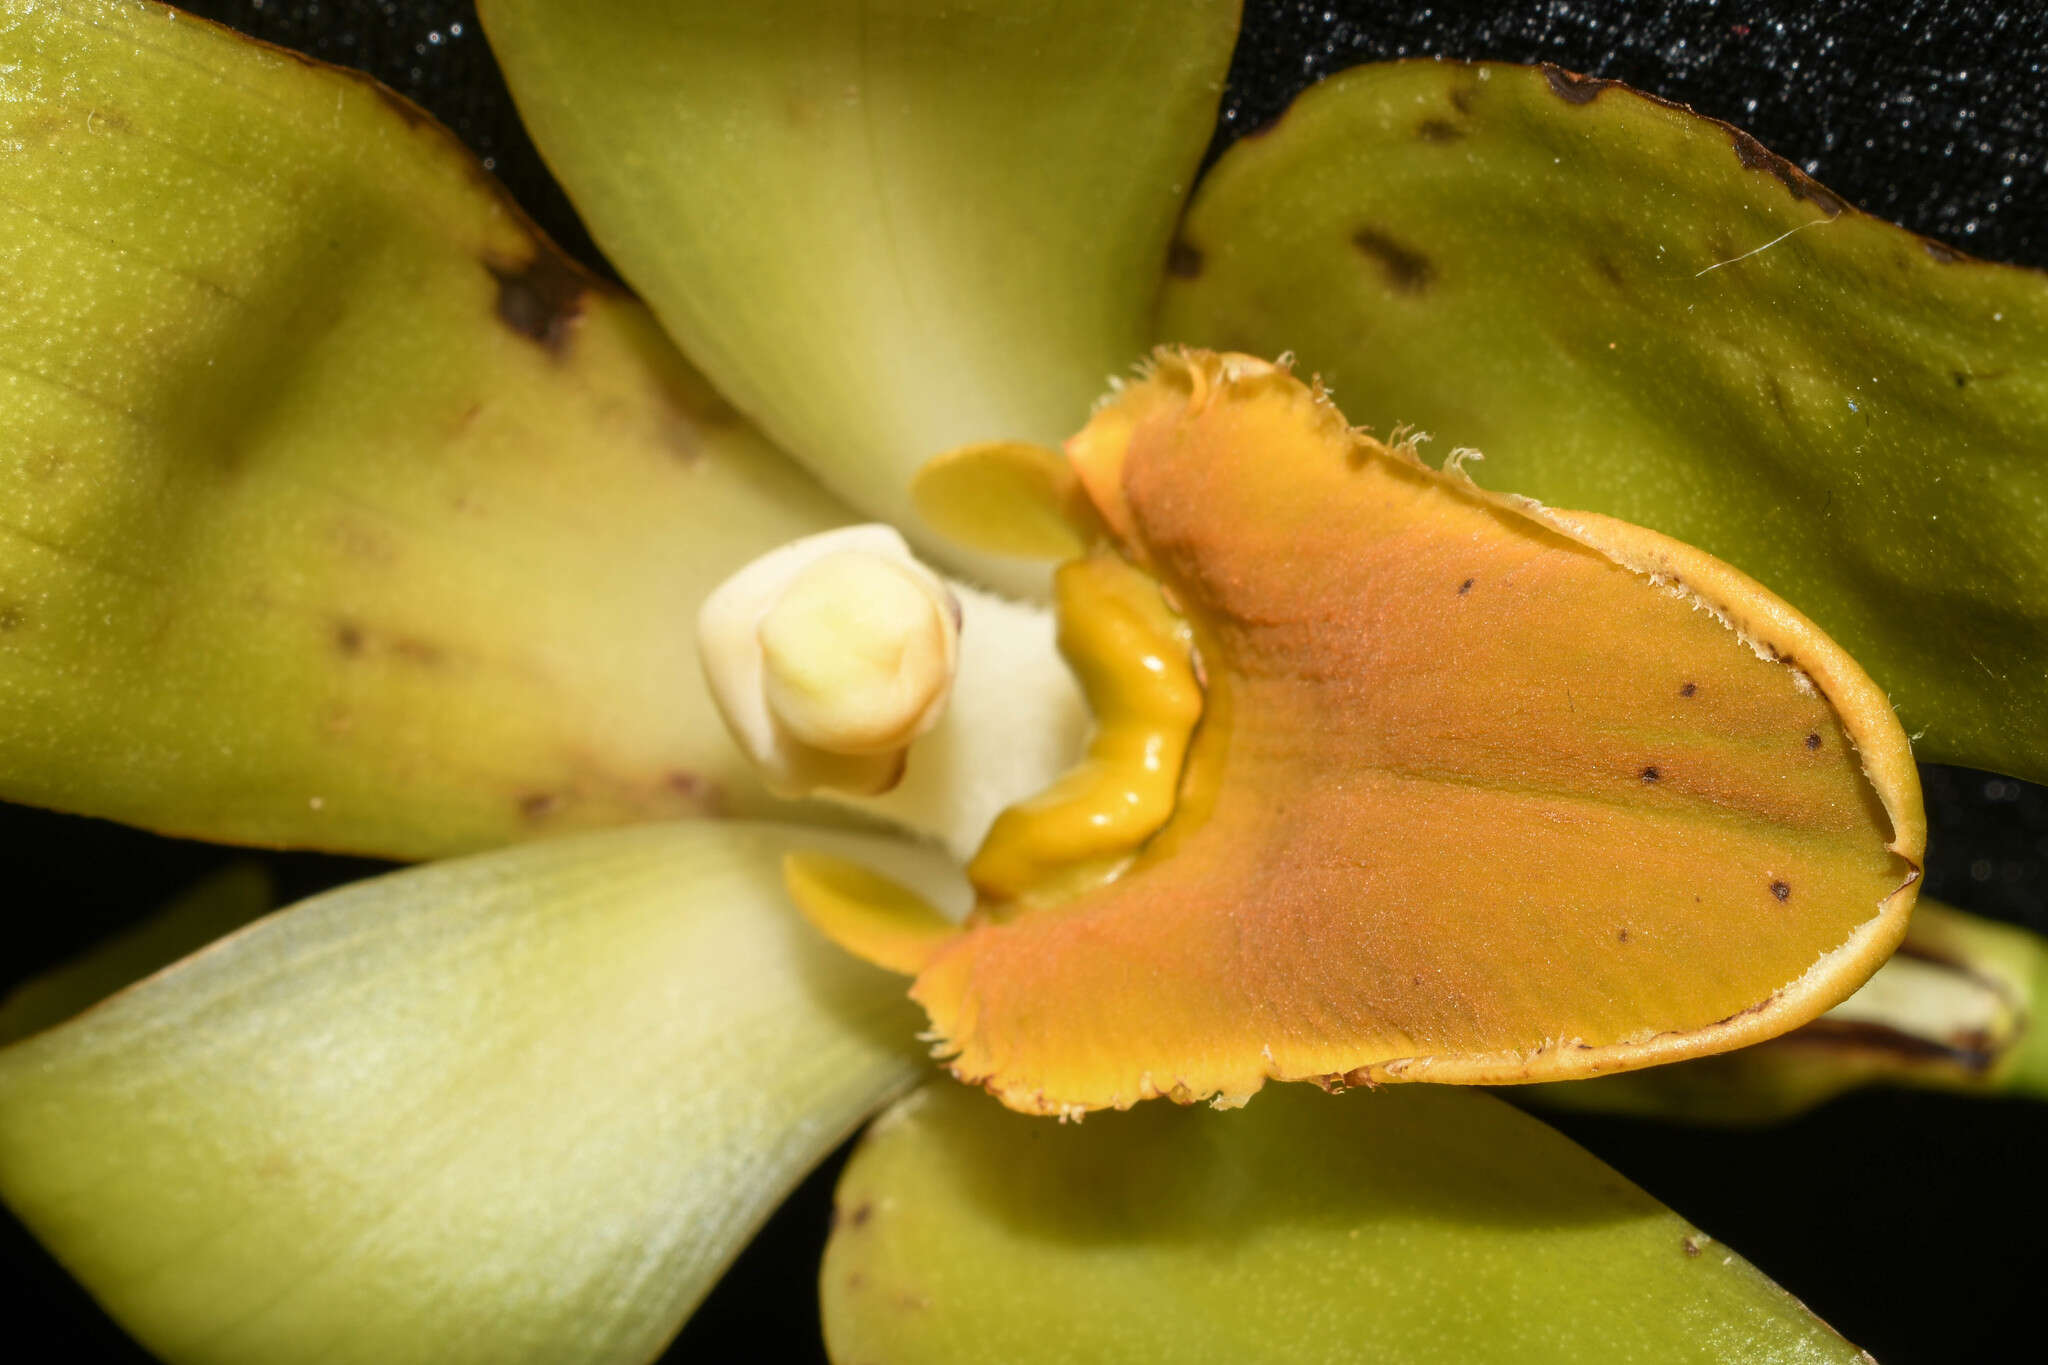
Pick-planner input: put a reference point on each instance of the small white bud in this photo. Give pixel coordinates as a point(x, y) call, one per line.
point(828, 656)
point(857, 654)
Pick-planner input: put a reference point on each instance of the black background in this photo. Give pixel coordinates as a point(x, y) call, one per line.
point(1908, 1221)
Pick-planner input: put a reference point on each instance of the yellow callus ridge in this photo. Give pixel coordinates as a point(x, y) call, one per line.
point(1476, 791)
point(1132, 655)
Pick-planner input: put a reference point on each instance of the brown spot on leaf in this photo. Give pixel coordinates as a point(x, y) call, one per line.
point(1776, 390)
point(702, 793)
point(414, 651)
point(1438, 130)
point(538, 805)
point(1757, 157)
point(1813, 741)
point(1781, 890)
point(1689, 689)
point(1650, 773)
point(1184, 260)
point(409, 113)
point(541, 298)
point(1408, 271)
point(348, 639)
point(1571, 87)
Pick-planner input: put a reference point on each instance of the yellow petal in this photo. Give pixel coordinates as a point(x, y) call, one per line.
point(1480, 793)
point(870, 916)
point(1958, 1008)
point(1003, 498)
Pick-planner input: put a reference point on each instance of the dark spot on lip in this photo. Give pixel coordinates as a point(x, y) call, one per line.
point(1622, 936)
point(1813, 741)
point(1688, 690)
point(348, 638)
point(1650, 773)
point(538, 806)
point(1571, 87)
point(1757, 157)
point(1184, 260)
point(1408, 271)
point(540, 299)
point(1461, 99)
point(861, 1213)
point(1438, 130)
point(1464, 587)
point(1781, 890)
point(1758, 1008)
point(1962, 380)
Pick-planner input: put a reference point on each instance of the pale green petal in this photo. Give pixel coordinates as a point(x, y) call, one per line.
point(1634, 310)
point(884, 230)
point(336, 508)
point(521, 1107)
point(220, 904)
point(1419, 1224)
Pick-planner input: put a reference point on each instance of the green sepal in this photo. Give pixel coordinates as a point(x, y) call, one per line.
point(340, 509)
point(884, 230)
point(1634, 310)
point(1415, 1224)
point(521, 1107)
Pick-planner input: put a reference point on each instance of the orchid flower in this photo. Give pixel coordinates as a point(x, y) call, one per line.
point(702, 645)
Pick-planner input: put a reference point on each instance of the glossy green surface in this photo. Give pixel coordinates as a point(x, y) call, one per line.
point(521, 1107)
point(1413, 1224)
point(336, 508)
point(884, 230)
point(1633, 310)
